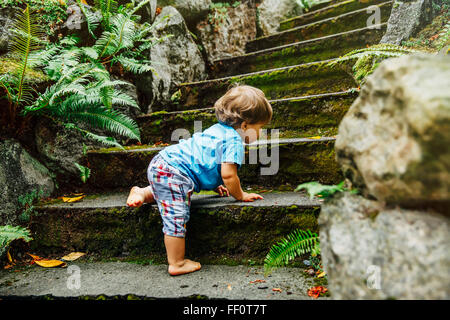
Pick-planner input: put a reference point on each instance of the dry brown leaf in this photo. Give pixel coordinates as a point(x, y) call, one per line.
point(50, 263)
point(73, 256)
point(277, 290)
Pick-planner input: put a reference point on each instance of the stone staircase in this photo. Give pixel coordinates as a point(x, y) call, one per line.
point(309, 99)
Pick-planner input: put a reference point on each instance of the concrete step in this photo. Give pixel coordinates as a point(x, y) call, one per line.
point(286, 82)
point(345, 22)
point(131, 281)
point(220, 229)
point(317, 49)
point(270, 163)
point(332, 10)
point(301, 117)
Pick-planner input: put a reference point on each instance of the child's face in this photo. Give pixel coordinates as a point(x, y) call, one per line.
point(251, 132)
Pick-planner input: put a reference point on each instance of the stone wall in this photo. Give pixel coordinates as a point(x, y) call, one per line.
point(391, 241)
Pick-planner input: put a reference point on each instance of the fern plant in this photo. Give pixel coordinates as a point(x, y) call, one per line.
point(83, 91)
point(367, 59)
point(294, 244)
point(25, 41)
point(9, 233)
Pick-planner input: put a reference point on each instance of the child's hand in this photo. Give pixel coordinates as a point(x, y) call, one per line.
point(250, 197)
point(222, 191)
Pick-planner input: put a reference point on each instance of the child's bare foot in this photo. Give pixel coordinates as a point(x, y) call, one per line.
point(186, 266)
point(138, 196)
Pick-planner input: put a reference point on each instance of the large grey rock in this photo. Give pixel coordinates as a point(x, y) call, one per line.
point(6, 24)
point(20, 174)
point(176, 60)
point(373, 252)
point(407, 18)
point(272, 12)
point(393, 142)
point(191, 10)
point(228, 38)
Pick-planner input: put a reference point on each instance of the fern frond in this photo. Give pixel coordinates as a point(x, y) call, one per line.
point(103, 118)
point(134, 65)
point(9, 233)
point(91, 20)
point(108, 141)
point(295, 244)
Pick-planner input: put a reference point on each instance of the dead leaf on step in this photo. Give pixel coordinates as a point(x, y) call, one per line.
point(229, 287)
point(316, 137)
point(34, 257)
point(258, 281)
point(50, 263)
point(8, 256)
point(73, 256)
point(74, 199)
point(321, 275)
point(277, 290)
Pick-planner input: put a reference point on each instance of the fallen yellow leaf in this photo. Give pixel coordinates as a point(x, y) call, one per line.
point(50, 263)
point(8, 256)
point(321, 275)
point(316, 137)
point(72, 199)
point(34, 257)
point(73, 256)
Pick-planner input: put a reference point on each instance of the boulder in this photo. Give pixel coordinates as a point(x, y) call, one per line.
point(20, 174)
point(272, 12)
point(191, 10)
point(227, 37)
point(374, 252)
point(176, 60)
point(6, 24)
point(393, 142)
point(408, 17)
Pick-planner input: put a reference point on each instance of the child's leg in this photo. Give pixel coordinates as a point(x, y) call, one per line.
point(139, 196)
point(175, 248)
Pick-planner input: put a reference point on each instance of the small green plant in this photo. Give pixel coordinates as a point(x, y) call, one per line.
point(9, 233)
point(26, 201)
point(293, 245)
point(84, 172)
point(219, 13)
point(317, 189)
point(368, 59)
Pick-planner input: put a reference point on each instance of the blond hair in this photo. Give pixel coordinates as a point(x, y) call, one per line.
point(243, 103)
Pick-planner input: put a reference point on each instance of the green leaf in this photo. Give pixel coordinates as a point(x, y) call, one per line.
point(315, 188)
point(9, 233)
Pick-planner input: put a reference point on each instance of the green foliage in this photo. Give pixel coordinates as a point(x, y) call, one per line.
point(367, 59)
point(9, 233)
point(26, 201)
point(219, 12)
point(444, 36)
point(304, 4)
point(83, 91)
point(51, 13)
point(293, 245)
point(25, 41)
point(315, 188)
point(84, 172)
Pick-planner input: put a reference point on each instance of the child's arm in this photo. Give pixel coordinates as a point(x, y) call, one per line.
point(233, 184)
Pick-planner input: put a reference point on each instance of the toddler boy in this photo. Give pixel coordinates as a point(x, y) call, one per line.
point(209, 160)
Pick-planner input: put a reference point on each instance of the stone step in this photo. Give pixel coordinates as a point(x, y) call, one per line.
point(322, 48)
point(331, 10)
point(300, 116)
point(292, 161)
point(286, 82)
point(219, 228)
point(133, 281)
point(341, 23)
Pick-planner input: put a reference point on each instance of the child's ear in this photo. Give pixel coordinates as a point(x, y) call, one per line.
point(244, 125)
